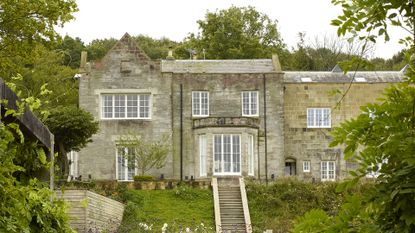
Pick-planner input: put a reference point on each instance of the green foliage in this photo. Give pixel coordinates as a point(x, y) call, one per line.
point(315, 220)
point(25, 24)
point(98, 48)
point(384, 134)
point(71, 48)
point(155, 48)
point(277, 205)
point(143, 154)
point(73, 129)
point(143, 178)
point(25, 204)
point(236, 33)
point(370, 19)
point(46, 71)
point(381, 138)
point(352, 217)
point(72, 126)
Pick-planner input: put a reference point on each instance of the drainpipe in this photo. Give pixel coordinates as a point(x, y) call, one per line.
point(265, 128)
point(181, 132)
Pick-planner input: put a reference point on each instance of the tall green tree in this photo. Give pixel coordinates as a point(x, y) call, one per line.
point(25, 24)
point(71, 48)
point(382, 138)
point(73, 129)
point(99, 47)
point(236, 33)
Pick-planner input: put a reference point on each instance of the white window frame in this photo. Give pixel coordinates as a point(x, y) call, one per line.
point(126, 178)
point(251, 112)
point(306, 166)
point(222, 155)
point(202, 111)
point(313, 115)
point(251, 156)
point(328, 174)
point(125, 105)
point(203, 155)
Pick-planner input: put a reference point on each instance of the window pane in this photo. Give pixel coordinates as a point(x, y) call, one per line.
point(119, 106)
point(218, 153)
point(319, 119)
point(227, 153)
point(202, 154)
point(245, 103)
point(144, 106)
point(107, 106)
point(326, 115)
point(324, 170)
point(132, 106)
point(310, 117)
point(204, 103)
point(196, 103)
point(254, 99)
point(250, 155)
point(235, 153)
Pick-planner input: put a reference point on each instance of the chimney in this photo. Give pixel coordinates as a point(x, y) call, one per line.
point(170, 54)
point(84, 55)
point(276, 63)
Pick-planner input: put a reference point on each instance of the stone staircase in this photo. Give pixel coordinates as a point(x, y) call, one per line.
point(230, 204)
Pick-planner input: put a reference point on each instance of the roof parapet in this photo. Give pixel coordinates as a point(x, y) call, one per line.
point(337, 69)
point(276, 63)
point(405, 69)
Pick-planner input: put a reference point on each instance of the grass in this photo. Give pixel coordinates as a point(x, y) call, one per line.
point(180, 208)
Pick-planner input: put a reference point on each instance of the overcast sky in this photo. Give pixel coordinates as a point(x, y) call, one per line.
point(174, 19)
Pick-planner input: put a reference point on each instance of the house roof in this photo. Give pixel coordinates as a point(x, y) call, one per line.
point(339, 77)
point(267, 66)
point(218, 66)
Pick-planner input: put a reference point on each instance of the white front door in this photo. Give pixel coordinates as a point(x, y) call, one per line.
point(227, 154)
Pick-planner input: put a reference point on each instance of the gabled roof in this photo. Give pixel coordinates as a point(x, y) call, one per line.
point(218, 66)
point(130, 45)
point(339, 77)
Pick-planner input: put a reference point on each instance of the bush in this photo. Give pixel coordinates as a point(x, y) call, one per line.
point(276, 206)
point(143, 178)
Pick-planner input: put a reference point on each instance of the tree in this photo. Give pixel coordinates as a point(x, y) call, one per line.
point(73, 129)
point(25, 24)
point(155, 48)
point(25, 202)
point(382, 138)
point(236, 33)
point(71, 48)
point(98, 48)
point(142, 154)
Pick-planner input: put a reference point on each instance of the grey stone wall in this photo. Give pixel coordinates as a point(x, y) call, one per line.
point(312, 144)
point(125, 69)
point(225, 101)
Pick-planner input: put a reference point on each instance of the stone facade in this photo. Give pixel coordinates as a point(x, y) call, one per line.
point(271, 141)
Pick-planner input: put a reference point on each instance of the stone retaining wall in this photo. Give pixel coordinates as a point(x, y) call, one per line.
point(91, 212)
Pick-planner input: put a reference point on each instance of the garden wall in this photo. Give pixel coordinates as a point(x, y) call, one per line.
point(91, 212)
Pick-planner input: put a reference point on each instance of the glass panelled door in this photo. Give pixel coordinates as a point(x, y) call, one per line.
point(227, 154)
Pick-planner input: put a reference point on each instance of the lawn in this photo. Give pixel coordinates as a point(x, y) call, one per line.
point(180, 208)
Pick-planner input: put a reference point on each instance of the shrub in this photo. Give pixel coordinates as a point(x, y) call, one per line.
point(143, 178)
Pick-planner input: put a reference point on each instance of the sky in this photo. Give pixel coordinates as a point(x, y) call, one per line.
point(175, 19)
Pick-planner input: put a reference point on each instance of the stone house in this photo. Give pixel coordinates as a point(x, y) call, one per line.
point(224, 117)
